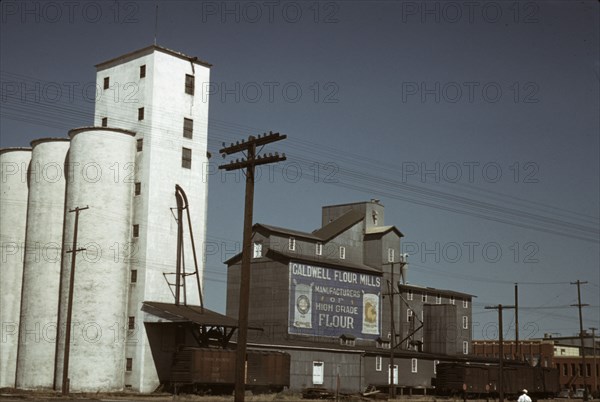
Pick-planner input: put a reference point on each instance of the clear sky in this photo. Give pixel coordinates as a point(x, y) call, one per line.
point(475, 123)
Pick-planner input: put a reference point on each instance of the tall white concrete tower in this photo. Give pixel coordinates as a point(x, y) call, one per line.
point(14, 163)
point(100, 279)
point(158, 94)
point(42, 263)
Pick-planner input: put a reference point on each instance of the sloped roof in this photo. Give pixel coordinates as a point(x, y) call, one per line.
point(320, 260)
point(183, 313)
point(325, 233)
point(434, 290)
point(339, 225)
point(376, 230)
point(285, 231)
point(312, 259)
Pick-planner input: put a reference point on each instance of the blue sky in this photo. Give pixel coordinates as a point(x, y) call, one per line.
point(475, 123)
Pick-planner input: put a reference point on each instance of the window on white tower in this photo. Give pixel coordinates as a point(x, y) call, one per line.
point(188, 128)
point(186, 158)
point(189, 84)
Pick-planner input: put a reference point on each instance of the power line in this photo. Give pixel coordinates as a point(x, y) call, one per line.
point(425, 197)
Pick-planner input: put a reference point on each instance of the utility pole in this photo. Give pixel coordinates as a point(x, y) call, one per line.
point(594, 369)
point(517, 346)
point(74, 251)
point(252, 160)
point(392, 292)
point(393, 324)
point(583, 367)
point(500, 307)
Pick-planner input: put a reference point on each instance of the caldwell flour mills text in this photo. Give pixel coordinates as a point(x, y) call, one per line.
point(332, 302)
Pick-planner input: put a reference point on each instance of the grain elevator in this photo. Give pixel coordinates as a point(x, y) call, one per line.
point(149, 134)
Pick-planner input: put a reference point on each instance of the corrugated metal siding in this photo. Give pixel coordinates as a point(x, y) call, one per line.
point(348, 366)
point(440, 330)
point(406, 378)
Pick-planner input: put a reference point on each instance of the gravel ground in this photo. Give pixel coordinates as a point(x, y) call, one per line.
point(19, 395)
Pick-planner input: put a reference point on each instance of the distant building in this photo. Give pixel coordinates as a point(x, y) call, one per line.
point(435, 320)
point(323, 297)
point(532, 351)
point(563, 353)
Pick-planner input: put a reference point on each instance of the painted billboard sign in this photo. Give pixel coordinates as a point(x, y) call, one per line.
point(332, 302)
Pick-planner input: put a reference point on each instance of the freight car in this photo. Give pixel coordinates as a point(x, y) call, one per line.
point(206, 370)
point(481, 379)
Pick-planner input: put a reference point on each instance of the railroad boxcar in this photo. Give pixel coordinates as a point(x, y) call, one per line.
point(202, 370)
point(482, 379)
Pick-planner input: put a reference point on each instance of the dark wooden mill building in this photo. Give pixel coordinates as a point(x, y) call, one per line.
point(324, 298)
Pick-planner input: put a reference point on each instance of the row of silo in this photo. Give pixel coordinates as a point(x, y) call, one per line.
point(61, 175)
point(13, 209)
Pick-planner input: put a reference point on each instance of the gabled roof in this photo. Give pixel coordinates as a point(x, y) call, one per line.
point(325, 233)
point(381, 230)
point(339, 225)
point(285, 231)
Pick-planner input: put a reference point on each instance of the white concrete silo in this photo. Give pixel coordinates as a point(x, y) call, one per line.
point(42, 263)
point(13, 214)
point(101, 179)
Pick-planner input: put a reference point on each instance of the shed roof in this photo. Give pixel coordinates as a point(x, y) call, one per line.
point(187, 313)
point(434, 290)
point(339, 225)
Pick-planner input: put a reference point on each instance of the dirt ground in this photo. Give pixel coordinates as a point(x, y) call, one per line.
point(20, 395)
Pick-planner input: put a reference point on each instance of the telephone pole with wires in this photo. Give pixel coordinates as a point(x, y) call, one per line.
point(594, 370)
point(252, 160)
point(74, 251)
point(500, 307)
point(517, 346)
point(583, 366)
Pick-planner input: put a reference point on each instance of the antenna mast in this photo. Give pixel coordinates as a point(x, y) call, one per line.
point(155, 23)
